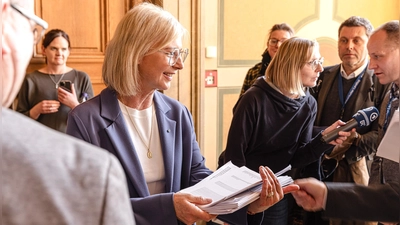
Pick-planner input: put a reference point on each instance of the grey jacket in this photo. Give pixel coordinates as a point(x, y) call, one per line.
point(52, 178)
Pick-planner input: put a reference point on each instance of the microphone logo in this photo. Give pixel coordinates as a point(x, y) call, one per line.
point(373, 116)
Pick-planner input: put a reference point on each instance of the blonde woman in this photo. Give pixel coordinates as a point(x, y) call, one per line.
point(273, 121)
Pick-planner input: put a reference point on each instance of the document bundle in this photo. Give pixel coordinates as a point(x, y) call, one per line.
point(232, 188)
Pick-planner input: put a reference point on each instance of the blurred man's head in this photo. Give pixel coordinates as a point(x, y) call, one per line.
point(352, 44)
point(18, 24)
point(383, 48)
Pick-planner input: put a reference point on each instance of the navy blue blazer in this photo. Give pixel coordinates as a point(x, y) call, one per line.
point(100, 121)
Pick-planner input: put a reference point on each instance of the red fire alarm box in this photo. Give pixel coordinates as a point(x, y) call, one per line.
point(211, 78)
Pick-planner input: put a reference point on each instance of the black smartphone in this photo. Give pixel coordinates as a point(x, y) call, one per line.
point(66, 84)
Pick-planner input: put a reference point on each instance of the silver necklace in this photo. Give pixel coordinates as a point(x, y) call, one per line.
point(56, 83)
point(149, 154)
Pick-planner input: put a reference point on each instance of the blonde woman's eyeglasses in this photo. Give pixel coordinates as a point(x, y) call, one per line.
point(314, 64)
point(174, 55)
point(40, 25)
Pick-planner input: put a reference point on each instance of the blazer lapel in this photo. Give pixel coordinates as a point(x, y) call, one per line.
point(123, 145)
point(167, 130)
point(364, 91)
point(328, 79)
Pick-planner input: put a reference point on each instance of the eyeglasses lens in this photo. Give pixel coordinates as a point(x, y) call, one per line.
point(182, 53)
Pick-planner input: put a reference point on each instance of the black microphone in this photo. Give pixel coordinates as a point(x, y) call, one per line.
point(362, 118)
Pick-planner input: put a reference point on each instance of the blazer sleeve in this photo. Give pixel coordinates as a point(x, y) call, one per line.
point(369, 203)
point(117, 208)
point(76, 128)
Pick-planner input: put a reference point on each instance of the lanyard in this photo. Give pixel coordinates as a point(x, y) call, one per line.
point(392, 96)
point(352, 89)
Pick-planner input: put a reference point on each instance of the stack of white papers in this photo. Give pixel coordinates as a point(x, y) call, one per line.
point(390, 145)
point(231, 188)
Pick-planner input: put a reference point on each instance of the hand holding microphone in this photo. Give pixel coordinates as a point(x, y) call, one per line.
point(362, 118)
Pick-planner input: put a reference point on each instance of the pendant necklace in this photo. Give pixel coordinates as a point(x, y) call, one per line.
point(149, 154)
point(54, 81)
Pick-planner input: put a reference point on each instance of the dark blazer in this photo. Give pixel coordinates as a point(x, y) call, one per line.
point(370, 93)
point(384, 170)
point(357, 202)
point(100, 122)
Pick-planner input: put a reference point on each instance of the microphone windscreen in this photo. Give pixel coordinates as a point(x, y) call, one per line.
point(365, 117)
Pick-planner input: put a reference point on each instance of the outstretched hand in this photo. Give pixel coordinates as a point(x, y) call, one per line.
point(312, 194)
point(271, 192)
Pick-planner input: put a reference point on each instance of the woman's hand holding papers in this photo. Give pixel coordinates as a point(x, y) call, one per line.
point(271, 192)
point(186, 209)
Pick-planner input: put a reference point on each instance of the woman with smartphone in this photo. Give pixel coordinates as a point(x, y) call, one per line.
point(48, 94)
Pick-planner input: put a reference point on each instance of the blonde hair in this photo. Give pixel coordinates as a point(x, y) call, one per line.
point(284, 69)
point(144, 29)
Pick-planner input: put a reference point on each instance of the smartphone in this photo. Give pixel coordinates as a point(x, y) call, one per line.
point(66, 84)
